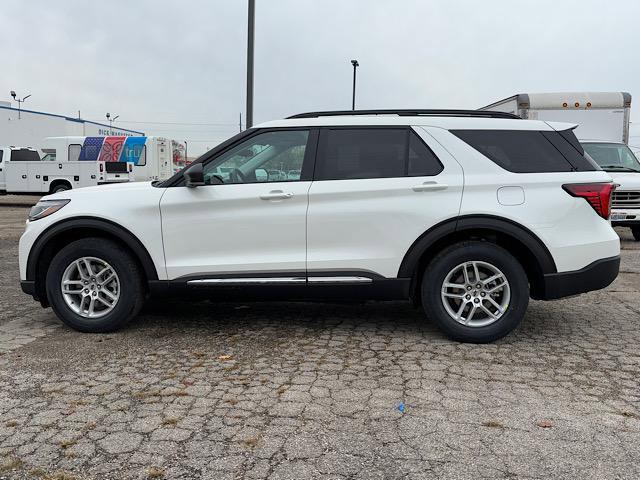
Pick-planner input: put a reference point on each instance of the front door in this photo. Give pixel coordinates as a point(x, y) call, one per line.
point(249, 218)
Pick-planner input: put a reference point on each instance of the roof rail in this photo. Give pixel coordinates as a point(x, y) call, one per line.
point(409, 113)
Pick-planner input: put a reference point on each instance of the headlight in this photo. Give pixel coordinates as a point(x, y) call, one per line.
point(44, 208)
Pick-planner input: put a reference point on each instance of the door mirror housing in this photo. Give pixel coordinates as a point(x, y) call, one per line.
point(194, 176)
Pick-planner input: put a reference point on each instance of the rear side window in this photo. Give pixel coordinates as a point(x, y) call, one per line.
point(573, 154)
point(24, 155)
point(74, 152)
point(359, 153)
point(519, 151)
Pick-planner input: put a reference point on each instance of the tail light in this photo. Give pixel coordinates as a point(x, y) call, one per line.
point(597, 194)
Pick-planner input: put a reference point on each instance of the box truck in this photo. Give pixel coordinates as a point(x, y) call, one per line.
point(602, 126)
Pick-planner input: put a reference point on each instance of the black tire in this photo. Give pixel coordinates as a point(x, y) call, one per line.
point(438, 269)
point(636, 233)
point(132, 292)
point(61, 187)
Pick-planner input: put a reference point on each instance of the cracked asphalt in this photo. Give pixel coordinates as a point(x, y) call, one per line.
point(297, 390)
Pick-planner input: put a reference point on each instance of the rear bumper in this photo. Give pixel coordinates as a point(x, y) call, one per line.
point(594, 276)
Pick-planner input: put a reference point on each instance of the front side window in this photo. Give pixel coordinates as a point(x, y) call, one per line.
point(519, 151)
point(275, 156)
point(613, 157)
point(359, 153)
point(24, 155)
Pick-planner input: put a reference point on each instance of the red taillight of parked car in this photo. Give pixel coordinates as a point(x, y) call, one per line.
point(597, 194)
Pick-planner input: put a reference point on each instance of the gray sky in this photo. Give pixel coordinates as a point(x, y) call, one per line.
point(158, 63)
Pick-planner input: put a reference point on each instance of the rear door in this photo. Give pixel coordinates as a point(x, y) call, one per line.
point(375, 191)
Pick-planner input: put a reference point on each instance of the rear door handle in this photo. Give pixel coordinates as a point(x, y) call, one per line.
point(430, 187)
point(276, 195)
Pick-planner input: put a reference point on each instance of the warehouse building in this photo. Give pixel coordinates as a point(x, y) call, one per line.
point(28, 128)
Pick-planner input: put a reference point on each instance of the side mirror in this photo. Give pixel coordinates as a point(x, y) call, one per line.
point(194, 176)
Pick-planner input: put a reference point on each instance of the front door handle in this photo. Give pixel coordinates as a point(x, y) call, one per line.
point(276, 195)
point(430, 187)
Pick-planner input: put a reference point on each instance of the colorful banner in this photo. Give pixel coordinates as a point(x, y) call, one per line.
point(91, 148)
point(111, 149)
point(134, 151)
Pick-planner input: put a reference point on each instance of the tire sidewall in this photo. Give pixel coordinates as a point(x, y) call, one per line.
point(434, 277)
point(129, 287)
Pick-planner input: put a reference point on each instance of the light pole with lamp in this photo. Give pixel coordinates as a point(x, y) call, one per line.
point(19, 100)
point(353, 98)
point(111, 120)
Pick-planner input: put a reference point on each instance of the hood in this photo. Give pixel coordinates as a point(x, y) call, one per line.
point(626, 180)
point(107, 189)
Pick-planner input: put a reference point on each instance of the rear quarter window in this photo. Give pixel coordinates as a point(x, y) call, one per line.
point(518, 151)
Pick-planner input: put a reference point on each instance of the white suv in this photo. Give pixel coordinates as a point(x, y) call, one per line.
point(466, 213)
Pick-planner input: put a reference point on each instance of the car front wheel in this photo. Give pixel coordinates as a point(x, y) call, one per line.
point(475, 291)
point(94, 285)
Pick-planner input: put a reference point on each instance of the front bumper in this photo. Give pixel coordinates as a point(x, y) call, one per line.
point(594, 276)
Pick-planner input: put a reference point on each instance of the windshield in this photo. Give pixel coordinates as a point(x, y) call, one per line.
point(613, 157)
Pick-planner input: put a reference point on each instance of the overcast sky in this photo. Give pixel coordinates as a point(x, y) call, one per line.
point(177, 68)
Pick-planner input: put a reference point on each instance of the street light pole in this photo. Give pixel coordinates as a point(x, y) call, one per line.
point(353, 97)
point(19, 100)
point(250, 36)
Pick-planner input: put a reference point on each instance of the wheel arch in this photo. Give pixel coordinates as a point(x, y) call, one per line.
point(65, 231)
point(59, 181)
point(521, 242)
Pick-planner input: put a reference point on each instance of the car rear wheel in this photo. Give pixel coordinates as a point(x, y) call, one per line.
point(636, 233)
point(475, 292)
point(94, 285)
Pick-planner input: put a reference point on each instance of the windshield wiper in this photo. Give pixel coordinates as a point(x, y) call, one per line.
point(619, 167)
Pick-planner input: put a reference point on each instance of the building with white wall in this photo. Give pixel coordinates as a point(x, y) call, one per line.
point(28, 128)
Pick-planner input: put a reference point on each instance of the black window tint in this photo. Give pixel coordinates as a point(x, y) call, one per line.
point(519, 151)
point(577, 159)
point(1, 153)
point(422, 161)
point(24, 155)
point(362, 153)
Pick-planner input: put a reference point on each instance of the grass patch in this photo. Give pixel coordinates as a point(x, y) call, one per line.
point(11, 423)
point(492, 424)
point(67, 444)
point(155, 472)
point(11, 463)
point(251, 442)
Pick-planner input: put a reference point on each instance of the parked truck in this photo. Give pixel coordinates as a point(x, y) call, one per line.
point(602, 127)
point(118, 157)
point(23, 171)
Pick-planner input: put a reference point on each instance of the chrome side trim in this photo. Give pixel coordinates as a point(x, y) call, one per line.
point(247, 281)
point(339, 280)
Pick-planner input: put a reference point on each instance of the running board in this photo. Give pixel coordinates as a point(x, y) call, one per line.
point(278, 280)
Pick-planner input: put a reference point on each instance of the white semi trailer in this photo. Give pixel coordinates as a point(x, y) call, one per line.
point(602, 120)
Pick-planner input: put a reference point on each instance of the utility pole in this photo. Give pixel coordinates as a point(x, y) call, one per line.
point(251, 23)
point(353, 98)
